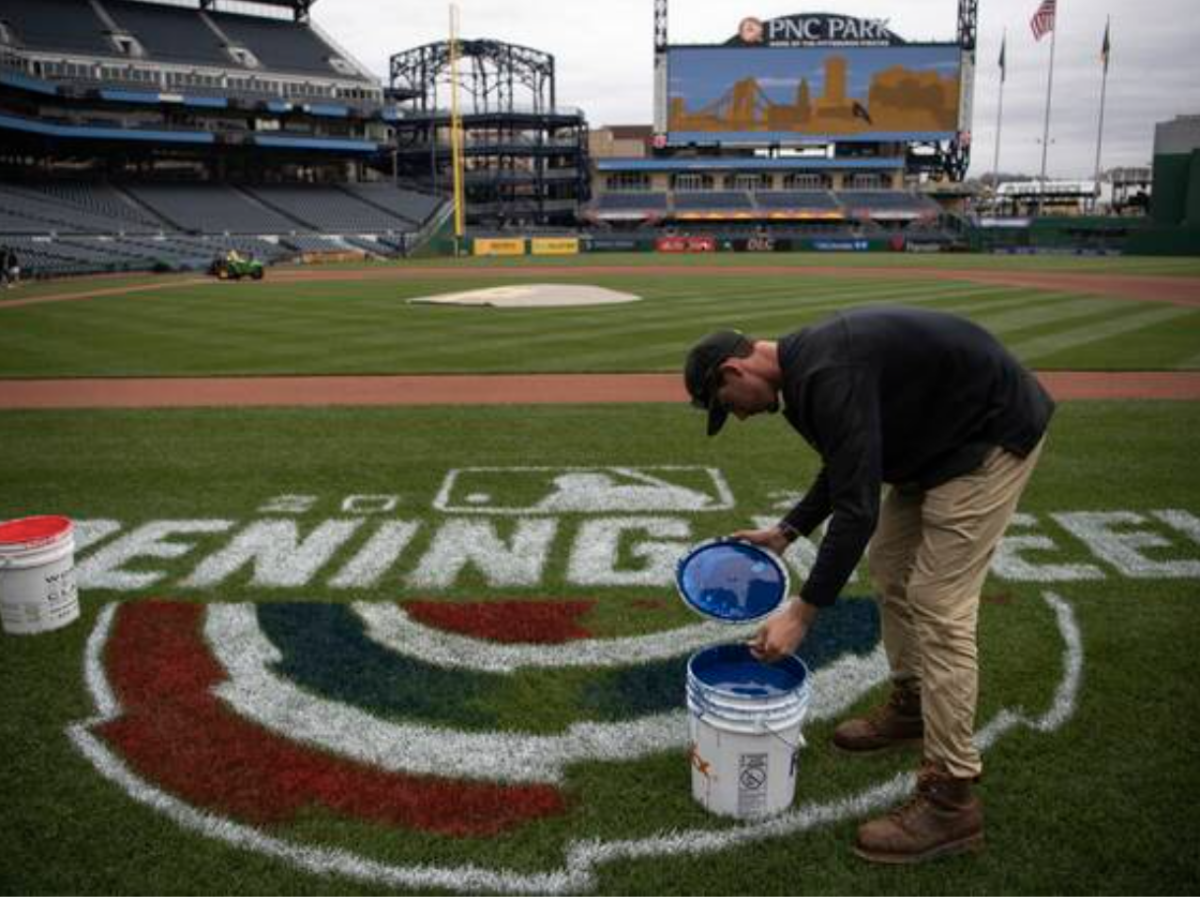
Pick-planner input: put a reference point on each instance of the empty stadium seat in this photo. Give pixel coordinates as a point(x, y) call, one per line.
point(797, 200)
point(632, 201)
point(279, 45)
point(414, 206)
point(712, 200)
point(329, 209)
point(169, 33)
point(888, 201)
point(56, 25)
point(212, 208)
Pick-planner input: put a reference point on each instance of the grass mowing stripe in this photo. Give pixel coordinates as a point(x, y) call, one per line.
point(1051, 343)
point(772, 322)
point(638, 323)
point(765, 320)
point(368, 328)
point(1049, 314)
point(1192, 362)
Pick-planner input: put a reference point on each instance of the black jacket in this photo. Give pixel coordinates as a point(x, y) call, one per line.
point(904, 396)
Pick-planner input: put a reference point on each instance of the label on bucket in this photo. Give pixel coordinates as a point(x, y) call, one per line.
point(753, 770)
point(37, 575)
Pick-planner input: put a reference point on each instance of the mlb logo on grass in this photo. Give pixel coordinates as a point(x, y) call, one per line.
point(526, 490)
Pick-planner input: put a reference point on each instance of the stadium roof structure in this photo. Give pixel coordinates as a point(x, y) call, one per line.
point(291, 4)
point(299, 8)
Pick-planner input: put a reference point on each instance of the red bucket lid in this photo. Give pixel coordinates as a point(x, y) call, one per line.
point(33, 531)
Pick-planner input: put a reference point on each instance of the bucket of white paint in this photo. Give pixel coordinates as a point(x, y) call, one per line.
point(37, 574)
point(745, 719)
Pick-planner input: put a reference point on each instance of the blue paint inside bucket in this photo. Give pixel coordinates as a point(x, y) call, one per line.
point(732, 669)
point(732, 581)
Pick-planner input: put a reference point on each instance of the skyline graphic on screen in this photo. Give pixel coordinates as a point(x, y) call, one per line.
point(790, 92)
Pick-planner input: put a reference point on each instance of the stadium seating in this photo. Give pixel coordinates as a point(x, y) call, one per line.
point(56, 25)
point(633, 201)
point(698, 201)
point(797, 200)
point(167, 33)
point(116, 211)
point(72, 227)
point(329, 209)
point(279, 45)
point(411, 205)
point(43, 214)
point(213, 208)
point(888, 204)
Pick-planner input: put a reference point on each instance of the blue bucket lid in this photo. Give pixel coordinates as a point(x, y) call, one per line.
point(732, 669)
point(731, 581)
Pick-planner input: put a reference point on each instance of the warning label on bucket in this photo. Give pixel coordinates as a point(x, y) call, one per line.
point(752, 783)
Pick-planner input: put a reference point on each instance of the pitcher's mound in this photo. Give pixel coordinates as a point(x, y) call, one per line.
point(540, 296)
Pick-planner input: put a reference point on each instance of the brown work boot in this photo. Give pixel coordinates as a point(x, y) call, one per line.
point(941, 819)
point(896, 723)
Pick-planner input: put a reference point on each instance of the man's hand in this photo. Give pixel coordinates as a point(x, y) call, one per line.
point(783, 632)
point(771, 538)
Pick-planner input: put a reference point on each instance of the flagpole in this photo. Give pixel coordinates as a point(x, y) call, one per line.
point(1103, 97)
point(456, 135)
point(1049, 95)
point(1000, 113)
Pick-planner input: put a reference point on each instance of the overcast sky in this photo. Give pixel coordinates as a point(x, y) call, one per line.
point(604, 57)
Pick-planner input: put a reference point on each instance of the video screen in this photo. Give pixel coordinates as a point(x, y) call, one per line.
point(789, 95)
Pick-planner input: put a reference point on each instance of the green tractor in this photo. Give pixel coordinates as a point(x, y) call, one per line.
point(232, 266)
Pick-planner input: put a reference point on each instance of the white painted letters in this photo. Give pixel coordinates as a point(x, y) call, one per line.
point(597, 551)
point(463, 542)
point(1122, 548)
point(280, 558)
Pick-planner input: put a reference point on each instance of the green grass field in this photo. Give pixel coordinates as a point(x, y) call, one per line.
point(209, 530)
point(369, 327)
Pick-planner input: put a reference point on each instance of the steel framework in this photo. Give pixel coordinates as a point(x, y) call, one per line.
point(491, 74)
point(525, 159)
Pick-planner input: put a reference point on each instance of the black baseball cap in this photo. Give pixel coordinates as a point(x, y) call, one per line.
point(701, 372)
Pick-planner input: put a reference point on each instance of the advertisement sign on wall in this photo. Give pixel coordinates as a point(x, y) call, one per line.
point(498, 247)
point(686, 245)
point(554, 246)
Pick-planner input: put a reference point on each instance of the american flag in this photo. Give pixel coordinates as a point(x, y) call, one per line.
point(1043, 19)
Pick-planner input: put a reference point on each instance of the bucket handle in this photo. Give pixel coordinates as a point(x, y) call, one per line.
point(800, 744)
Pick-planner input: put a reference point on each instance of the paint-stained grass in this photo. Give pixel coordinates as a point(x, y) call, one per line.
point(1103, 806)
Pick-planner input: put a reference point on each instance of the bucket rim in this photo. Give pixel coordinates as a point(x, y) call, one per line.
point(792, 663)
point(33, 533)
point(768, 555)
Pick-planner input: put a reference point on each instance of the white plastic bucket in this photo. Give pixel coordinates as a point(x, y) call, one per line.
point(745, 720)
point(37, 575)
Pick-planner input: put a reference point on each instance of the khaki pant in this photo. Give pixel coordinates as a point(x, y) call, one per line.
point(928, 560)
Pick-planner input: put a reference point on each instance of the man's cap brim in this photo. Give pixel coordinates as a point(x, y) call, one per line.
point(716, 418)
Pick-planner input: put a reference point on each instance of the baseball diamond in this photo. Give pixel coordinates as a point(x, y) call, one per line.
point(360, 389)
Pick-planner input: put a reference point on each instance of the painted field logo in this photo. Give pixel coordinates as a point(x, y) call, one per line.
point(597, 489)
point(493, 745)
point(256, 723)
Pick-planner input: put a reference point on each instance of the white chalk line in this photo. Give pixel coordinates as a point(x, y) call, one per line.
point(582, 857)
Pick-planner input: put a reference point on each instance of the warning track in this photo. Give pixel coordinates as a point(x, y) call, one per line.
point(476, 390)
